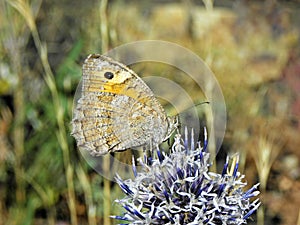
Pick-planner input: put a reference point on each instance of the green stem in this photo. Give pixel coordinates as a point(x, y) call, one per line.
point(18, 138)
point(19, 118)
point(103, 26)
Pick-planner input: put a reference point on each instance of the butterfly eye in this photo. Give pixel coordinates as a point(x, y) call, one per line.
point(109, 75)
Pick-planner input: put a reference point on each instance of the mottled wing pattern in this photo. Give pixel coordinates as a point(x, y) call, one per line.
point(116, 110)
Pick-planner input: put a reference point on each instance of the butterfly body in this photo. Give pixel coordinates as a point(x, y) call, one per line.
point(116, 110)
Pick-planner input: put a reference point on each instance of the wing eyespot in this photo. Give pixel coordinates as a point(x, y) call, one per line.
point(109, 75)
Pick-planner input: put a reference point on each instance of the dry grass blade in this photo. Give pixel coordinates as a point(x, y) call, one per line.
point(85, 183)
point(265, 150)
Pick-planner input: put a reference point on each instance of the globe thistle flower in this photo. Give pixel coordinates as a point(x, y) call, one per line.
point(177, 188)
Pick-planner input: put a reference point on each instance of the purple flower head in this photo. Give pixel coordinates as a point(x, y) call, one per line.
point(177, 188)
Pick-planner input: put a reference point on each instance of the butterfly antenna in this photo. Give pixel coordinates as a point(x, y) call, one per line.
point(200, 103)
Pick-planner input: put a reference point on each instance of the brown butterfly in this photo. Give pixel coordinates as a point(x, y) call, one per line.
point(117, 110)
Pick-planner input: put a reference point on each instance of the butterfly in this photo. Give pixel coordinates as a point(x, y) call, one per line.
point(117, 110)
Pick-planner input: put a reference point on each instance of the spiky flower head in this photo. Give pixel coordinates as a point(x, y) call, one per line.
point(177, 188)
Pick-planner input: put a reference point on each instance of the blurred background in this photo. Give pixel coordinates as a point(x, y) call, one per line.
point(251, 46)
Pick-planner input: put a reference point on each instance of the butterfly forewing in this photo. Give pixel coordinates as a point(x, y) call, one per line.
point(116, 110)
